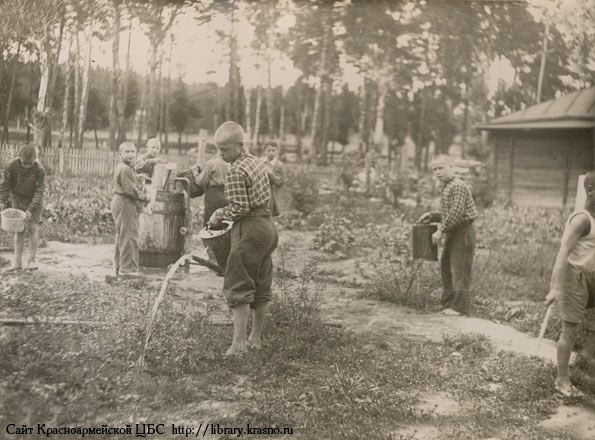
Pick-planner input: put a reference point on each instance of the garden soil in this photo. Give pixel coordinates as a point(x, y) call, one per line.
point(198, 292)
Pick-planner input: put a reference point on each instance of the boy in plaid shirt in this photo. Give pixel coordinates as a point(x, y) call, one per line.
point(24, 186)
point(249, 270)
point(457, 213)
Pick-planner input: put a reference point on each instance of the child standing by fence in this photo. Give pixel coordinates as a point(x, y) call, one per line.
point(126, 206)
point(24, 186)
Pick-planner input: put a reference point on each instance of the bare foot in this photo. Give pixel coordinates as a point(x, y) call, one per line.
point(565, 388)
point(235, 350)
point(32, 265)
point(253, 344)
point(450, 312)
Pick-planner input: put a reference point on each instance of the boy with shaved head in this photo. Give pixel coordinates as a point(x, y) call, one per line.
point(24, 186)
point(249, 270)
point(126, 206)
point(572, 285)
point(456, 216)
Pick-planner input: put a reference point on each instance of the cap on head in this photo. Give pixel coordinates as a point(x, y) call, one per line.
point(27, 152)
point(441, 161)
point(229, 132)
point(125, 145)
point(153, 142)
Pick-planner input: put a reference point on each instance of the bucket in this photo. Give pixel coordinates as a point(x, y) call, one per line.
point(219, 241)
point(13, 220)
point(162, 231)
point(423, 249)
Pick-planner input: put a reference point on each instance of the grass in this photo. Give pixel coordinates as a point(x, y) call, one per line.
point(322, 381)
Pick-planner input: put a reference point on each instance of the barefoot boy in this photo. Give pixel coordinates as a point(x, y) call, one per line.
point(126, 206)
point(572, 285)
point(249, 270)
point(24, 185)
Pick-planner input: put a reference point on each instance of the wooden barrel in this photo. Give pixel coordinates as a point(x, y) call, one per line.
point(423, 249)
point(161, 238)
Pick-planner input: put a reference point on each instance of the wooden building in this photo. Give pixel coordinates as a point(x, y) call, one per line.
point(539, 152)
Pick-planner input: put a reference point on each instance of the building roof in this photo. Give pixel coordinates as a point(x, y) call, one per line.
point(574, 110)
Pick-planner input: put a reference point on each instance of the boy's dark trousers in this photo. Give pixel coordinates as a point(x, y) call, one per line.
point(125, 213)
point(456, 265)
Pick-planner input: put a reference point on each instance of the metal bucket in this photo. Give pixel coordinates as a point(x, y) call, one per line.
point(13, 220)
point(162, 231)
point(423, 249)
point(218, 241)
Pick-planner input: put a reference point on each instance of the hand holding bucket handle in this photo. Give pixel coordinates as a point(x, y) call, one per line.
point(425, 218)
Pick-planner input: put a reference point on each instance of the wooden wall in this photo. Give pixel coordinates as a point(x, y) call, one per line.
point(541, 168)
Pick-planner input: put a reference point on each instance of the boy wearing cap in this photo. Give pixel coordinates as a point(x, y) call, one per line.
point(126, 206)
point(457, 213)
point(145, 164)
point(276, 174)
point(572, 285)
point(24, 186)
point(249, 269)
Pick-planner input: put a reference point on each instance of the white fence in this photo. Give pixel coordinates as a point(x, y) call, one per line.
point(69, 161)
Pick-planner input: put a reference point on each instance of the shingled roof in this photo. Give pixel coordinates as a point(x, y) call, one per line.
point(574, 110)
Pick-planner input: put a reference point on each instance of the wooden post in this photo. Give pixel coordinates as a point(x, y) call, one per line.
point(201, 154)
point(511, 177)
point(61, 161)
point(567, 167)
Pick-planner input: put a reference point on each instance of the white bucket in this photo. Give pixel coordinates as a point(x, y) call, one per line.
point(13, 220)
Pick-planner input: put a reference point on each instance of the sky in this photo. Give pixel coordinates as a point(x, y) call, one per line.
point(199, 56)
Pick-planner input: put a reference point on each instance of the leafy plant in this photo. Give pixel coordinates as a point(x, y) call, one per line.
point(303, 191)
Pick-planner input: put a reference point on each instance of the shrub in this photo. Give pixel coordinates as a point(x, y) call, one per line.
point(303, 191)
point(335, 235)
point(78, 206)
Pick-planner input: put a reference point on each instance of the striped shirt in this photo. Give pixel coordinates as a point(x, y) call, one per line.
point(27, 184)
point(246, 187)
point(456, 204)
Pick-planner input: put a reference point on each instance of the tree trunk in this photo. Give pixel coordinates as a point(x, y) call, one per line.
point(66, 104)
point(326, 120)
point(141, 116)
point(115, 100)
point(247, 98)
point(96, 138)
point(542, 65)
point(122, 125)
point(269, 100)
point(420, 137)
point(52, 83)
point(257, 117)
point(77, 89)
point(10, 93)
point(379, 125)
point(41, 117)
point(152, 95)
point(167, 91)
point(85, 89)
point(282, 121)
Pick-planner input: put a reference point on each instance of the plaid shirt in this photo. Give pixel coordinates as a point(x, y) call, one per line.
point(246, 187)
point(27, 184)
point(456, 204)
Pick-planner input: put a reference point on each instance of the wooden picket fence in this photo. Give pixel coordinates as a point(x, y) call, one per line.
point(77, 162)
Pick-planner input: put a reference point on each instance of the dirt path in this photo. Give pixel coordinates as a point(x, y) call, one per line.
point(343, 305)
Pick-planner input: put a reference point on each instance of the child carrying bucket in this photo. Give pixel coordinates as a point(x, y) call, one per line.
point(24, 187)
